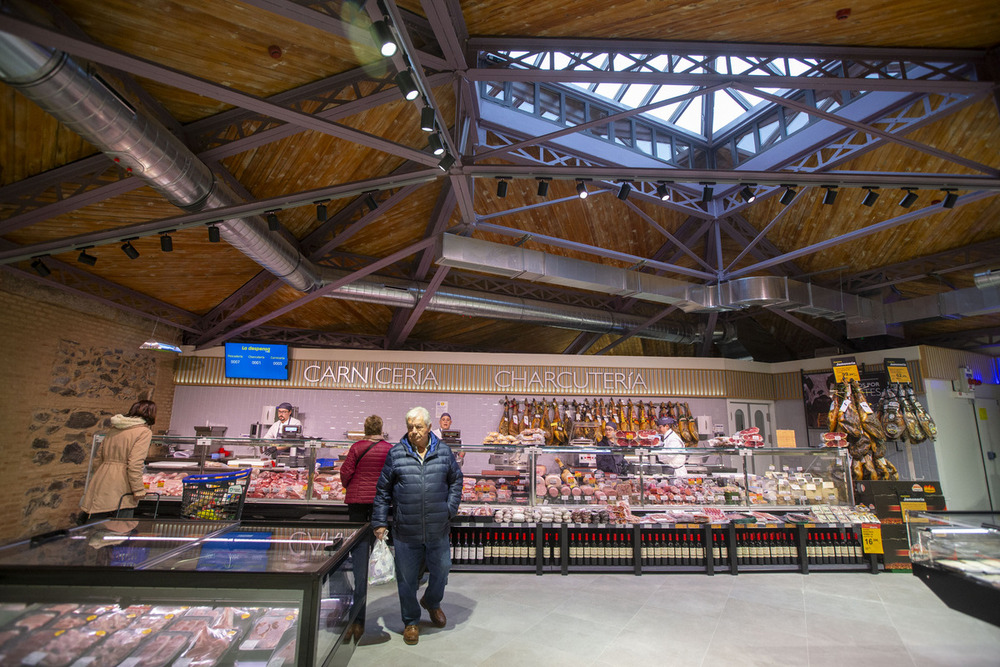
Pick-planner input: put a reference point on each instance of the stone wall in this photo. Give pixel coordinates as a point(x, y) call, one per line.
point(70, 364)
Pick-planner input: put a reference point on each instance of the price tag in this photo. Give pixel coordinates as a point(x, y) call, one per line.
point(845, 369)
point(871, 538)
point(907, 506)
point(898, 371)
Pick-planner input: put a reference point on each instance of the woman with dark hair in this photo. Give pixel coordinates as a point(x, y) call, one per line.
point(359, 475)
point(117, 467)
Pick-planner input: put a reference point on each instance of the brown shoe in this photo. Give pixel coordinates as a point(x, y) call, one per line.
point(411, 634)
point(438, 619)
point(355, 631)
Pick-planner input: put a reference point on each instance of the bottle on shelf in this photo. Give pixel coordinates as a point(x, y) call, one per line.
point(556, 552)
point(856, 548)
point(699, 551)
point(488, 549)
point(723, 550)
point(628, 548)
point(742, 548)
point(480, 555)
point(533, 550)
point(840, 548)
point(453, 539)
point(829, 552)
point(671, 549)
point(589, 555)
point(547, 551)
point(716, 550)
point(465, 555)
point(508, 548)
point(813, 551)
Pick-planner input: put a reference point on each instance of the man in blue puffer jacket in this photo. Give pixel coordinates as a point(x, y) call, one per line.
point(423, 483)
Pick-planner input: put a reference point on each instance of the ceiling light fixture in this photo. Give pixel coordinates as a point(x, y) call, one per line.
point(446, 162)
point(747, 194)
point(213, 234)
point(272, 222)
point(434, 141)
point(159, 346)
point(831, 194)
point(501, 186)
point(406, 85)
point(321, 211)
point(706, 193)
point(909, 199)
point(427, 118)
point(382, 36)
point(166, 243)
point(39, 266)
point(130, 250)
point(85, 258)
point(787, 196)
point(870, 198)
point(662, 192)
point(950, 198)
point(581, 189)
point(623, 191)
point(543, 186)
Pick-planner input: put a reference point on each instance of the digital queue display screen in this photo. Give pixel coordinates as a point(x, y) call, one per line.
point(257, 361)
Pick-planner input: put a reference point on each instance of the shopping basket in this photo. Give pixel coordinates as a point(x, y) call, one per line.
point(215, 497)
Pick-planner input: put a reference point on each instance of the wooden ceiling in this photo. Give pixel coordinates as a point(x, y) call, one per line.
point(178, 60)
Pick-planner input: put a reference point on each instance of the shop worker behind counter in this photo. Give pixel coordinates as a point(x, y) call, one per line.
point(423, 483)
point(285, 418)
point(117, 480)
point(359, 474)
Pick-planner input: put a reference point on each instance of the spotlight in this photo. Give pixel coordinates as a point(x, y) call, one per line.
point(787, 196)
point(501, 186)
point(446, 162)
point(662, 192)
point(272, 222)
point(406, 85)
point(747, 194)
point(321, 211)
point(706, 194)
point(909, 199)
point(831, 195)
point(543, 186)
point(371, 203)
point(166, 243)
point(382, 36)
point(85, 258)
point(581, 189)
point(434, 141)
point(130, 250)
point(39, 266)
point(213, 234)
point(950, 199)
point(870, 198)
point(427, 119)
point(624, 190)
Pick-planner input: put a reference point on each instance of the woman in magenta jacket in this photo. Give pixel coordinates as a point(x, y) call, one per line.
point(359, 474)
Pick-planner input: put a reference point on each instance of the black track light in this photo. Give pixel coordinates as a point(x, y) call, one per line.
point(446, 162)
point(213, 234)
point(427, 119)
point(706, 193)
point(624, 190)
point(39, 266)
point(501, 186)
point(130, 250)
point(831, 195)
point(787, 196)
point(543, 186)
point(370, 202)
point(85, 258)
point(870, 198)
point(272, 222)
point(950, 199)
point(166, 243)
point(382, 36)
point(406, 85)
point(662, 192)
point(909, 199)
point(747, 194)
point(581, 189)
point(434, 142)
point(321, 211)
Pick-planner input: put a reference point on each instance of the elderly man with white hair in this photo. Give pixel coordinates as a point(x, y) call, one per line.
point(423, 483)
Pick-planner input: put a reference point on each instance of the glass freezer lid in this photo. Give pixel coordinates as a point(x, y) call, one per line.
point(261, 548)
point(125, 543)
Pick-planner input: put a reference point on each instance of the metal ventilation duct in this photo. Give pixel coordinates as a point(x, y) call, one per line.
point(84, 104)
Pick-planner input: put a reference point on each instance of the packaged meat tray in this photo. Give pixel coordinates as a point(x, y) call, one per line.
point(46, 648)
point(284, 656)
point(158, 650)
point(208, 644)
point(267, 632)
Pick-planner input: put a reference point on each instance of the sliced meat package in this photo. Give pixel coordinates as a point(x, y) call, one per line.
point(47, 648)
point(36, 620)
point(159, 650)
point(268, 630)
point(284, 656)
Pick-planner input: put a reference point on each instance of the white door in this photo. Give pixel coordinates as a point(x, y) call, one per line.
point(988, 422)
point(745, 414)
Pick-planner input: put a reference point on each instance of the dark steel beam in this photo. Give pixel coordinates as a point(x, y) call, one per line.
point(450, 30)
point(809, 328)
point(418, 310)
point(637, 329)
point(706, 343)
point(670, 237)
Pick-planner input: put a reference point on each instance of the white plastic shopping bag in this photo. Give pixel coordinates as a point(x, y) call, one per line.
point(381, 566)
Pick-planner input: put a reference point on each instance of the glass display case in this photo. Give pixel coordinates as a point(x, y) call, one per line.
point(957, 554)
point(165, 592)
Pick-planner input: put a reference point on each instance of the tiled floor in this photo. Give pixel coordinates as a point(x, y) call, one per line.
point(752, 619)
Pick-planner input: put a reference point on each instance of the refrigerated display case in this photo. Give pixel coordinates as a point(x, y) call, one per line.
point(159, 592)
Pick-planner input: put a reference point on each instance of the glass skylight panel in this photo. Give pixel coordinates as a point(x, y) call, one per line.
point(559, 60)
point(690, 119)
point(725, 110)
point(607, 90)
point(797, 67)
point(635, 94)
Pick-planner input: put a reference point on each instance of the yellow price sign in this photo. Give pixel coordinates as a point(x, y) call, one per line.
point(871, 538)
point(846, 373)
point(907, 506)
point(898, 373)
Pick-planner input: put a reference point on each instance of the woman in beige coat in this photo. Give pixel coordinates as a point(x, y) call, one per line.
point(118, 464)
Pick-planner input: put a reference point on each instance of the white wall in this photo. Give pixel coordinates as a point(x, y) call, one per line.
point(959, 457)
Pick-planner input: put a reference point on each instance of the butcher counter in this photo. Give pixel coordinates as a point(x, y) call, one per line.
point(158, 592)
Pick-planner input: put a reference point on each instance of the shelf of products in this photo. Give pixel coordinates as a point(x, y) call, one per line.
point(957, 554)
point(181, 593)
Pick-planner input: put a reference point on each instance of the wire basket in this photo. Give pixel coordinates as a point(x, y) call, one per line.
point(217, 497)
